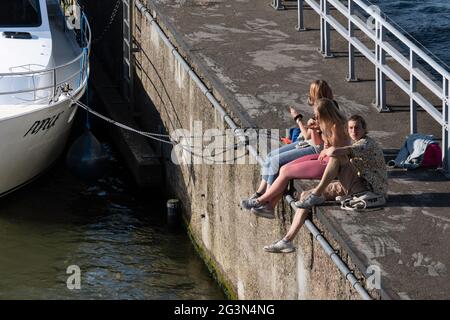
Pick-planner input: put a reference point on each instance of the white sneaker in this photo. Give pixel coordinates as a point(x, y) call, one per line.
point(280, 246)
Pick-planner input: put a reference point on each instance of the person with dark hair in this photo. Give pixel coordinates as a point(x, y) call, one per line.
point(359, 168)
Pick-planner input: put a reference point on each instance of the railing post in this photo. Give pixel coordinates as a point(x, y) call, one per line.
point(54, 82)
point(324, 30)
point(445, 128)
point(380, 97)
point(278, 5)
point(412, 90)
point(377, 69)
point(322, 36)
point(128, 63)
point(383, 103)
point(351, 49)
point(327, 27)
point(301, 18)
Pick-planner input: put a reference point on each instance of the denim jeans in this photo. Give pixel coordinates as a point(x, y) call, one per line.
point(281, 156)
point(411, 154)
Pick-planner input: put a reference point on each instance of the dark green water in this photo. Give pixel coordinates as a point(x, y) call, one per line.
point(117, 235)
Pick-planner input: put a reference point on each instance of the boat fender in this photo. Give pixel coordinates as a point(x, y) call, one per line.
point(87, 158)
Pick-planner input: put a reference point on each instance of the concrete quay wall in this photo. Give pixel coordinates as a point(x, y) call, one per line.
point(229, 239)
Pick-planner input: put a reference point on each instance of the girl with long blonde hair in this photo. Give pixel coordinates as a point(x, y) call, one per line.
point(333, 131)
point(309, 137)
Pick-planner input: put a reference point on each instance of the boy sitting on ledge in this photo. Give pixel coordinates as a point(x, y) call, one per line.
point(359, 167)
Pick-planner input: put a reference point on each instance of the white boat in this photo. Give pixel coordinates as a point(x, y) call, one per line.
point(40, 53)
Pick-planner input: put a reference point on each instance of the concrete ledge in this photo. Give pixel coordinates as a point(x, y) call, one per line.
point(157, 76)
point(399, 238)
point(256, 64)
point(226, 98)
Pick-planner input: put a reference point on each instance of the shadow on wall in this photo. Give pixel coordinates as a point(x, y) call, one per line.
point(166, 102)
point(419, 174)
point(436, 200)
point(154, 123)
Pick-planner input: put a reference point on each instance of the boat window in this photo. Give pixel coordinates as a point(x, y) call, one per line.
point(20, 13)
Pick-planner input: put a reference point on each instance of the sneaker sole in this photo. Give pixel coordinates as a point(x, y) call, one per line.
point(263, 215)
point(280, 251)
point(306, 207)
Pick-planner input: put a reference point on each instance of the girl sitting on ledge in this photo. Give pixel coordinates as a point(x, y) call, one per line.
point(275, 159)
point(332, 124)
point(359, 168)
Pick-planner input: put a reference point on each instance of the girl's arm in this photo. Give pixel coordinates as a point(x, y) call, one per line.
point(330, 140)
point(316, 137)
point(304, 131)
point(339, 151)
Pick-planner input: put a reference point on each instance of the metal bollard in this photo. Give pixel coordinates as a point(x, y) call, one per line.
point(173, 209)
point(277, 5)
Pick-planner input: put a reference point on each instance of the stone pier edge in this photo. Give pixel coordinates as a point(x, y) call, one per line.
point(209, 261)
point(228, 102)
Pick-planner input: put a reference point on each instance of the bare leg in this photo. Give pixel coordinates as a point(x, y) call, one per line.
point(331, 172)
point(297, 223)
point(303, 168)
point(277, 197)
point(275, 192)
point(262, 187)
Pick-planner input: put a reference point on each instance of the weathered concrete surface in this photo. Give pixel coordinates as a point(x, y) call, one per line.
point(408, 240)
point(257, 65)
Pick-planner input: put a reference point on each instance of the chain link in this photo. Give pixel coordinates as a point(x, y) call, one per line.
point(109, 24)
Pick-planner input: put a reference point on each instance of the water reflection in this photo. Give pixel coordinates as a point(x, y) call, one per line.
point(117, 236)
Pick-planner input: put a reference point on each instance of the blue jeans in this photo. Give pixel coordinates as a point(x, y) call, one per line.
point(281, 156)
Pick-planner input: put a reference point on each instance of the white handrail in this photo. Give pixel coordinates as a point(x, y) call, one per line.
point(82, 59)
point(440, 87)
point(55, 85)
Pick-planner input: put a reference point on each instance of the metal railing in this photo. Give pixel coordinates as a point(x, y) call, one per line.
point(420, 66)
point(43, 85)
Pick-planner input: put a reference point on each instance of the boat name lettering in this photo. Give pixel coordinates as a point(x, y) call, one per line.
point(43, 125)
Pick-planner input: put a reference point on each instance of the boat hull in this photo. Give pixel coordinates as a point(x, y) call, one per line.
point(30, 143)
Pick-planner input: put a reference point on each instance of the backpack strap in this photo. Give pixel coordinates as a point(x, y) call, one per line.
point(367, 201)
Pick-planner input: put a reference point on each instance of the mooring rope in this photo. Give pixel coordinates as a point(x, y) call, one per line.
point(160, 137)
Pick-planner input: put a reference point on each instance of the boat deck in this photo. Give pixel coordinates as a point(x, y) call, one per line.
point(65, 49)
